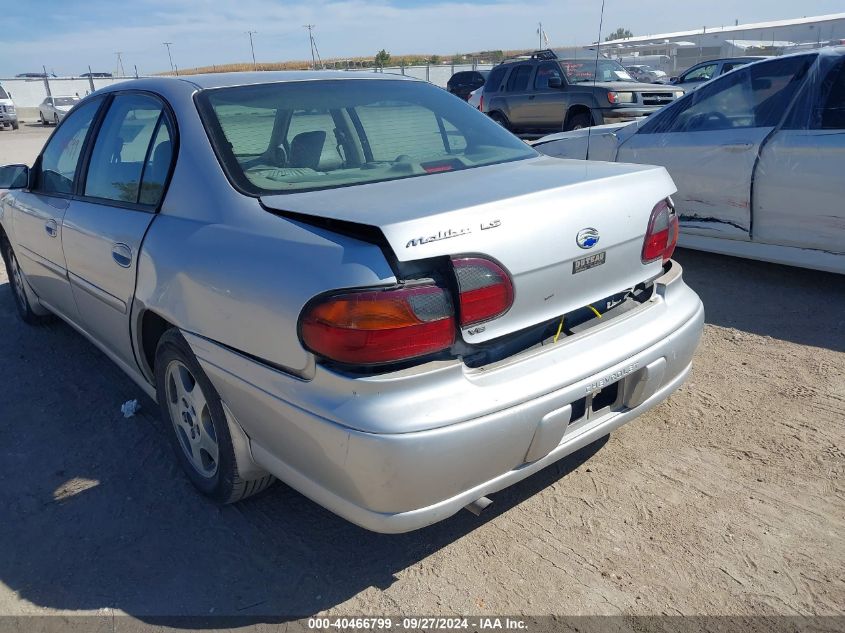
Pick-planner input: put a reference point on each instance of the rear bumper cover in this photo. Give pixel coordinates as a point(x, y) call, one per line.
point(622, 115)
point(459, 434)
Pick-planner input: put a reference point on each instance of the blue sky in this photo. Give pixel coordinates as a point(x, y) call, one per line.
point(66, 36)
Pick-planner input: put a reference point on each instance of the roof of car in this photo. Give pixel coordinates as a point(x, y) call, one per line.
point(221, 80)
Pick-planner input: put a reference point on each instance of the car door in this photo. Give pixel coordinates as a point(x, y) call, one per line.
point(119, 193)
point(799, 186)
point(547, 104)
point(518, 93)
point(709, 142)
point(38, 213)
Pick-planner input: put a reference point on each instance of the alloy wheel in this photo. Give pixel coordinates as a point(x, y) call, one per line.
point(191, 417)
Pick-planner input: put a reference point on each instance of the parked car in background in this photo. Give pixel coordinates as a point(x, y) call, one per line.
point(696, 75)
point(758, 156)
point(647, 74)
point(461, 84)
point(53, 109)
point(8, 112)
point(345, 307)
point(95, 75)
point(476, 98)
point(33, 75)
point(545, 93)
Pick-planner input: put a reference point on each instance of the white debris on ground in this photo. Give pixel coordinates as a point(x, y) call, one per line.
point(130, 408)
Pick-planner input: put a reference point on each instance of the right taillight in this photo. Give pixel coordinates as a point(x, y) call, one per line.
point(481, 102)
point(486, 291)
point(379, 326)
point(662, 234)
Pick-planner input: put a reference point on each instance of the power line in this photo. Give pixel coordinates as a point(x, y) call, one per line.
point(252, 48)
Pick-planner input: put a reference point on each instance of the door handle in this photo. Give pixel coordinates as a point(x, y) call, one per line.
point(737, 147)
point(121, 254)
point(52, 228)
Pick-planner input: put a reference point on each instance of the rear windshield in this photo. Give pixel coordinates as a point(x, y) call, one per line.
point(306, 135)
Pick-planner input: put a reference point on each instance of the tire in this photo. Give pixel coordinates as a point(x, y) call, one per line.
point(500, 119)
point(185, 393)
point(43, 118)
point(17, 280)
point(55, 119)
point(15, 125)
point(579, 121)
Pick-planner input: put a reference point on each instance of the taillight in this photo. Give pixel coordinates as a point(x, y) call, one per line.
point(481, 102)
point(662, 234)
point(379, 326)
point(485, 289)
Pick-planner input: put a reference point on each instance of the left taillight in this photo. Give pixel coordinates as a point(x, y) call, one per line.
point(662, 233)
point(379, 326)
point(485, 289)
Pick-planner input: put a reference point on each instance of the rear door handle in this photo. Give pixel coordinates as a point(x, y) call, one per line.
point(737, 147)
point(122, 254)
point(52, 228)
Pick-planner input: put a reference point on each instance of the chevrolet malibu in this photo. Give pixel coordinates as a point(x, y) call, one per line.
point(359, 285)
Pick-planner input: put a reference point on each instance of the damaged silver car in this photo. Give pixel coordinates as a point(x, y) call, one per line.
point(357, 284)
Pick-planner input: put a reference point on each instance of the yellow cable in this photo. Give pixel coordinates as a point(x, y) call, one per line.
point(559, 328)
point(597, 313)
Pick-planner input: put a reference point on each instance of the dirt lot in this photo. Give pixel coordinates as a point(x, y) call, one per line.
point(727, 499)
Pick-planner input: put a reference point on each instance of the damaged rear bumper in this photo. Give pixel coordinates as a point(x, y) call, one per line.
point(397, 452)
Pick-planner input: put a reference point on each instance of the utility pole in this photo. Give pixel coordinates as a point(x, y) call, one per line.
point(169, 56)
point(120, 71)
point(252, 48)
point(313, 42)
point(539, 35)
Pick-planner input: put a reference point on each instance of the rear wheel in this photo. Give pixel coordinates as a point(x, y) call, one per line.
point(579, 121)
point(17, 280)
point(200, 434)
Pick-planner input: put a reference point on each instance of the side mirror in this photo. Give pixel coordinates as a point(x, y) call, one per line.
point(14, 176)
point(555, 82)
point(673, 80)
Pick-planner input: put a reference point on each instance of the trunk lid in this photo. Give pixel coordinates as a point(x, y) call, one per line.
point(526, 215)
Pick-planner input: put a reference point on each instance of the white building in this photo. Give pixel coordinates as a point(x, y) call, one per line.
point(675, 52)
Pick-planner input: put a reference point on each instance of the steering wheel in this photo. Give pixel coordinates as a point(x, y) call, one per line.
point(703, 121)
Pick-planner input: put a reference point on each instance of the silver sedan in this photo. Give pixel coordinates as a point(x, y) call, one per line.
point(53, 109)
point(357, 284)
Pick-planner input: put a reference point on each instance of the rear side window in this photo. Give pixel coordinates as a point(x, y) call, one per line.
point(157, 166)
point(120, 152)
point(61, 156)
point(518, 81)
point(494, 81)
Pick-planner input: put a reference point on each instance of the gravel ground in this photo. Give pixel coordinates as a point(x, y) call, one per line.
point(727, 499)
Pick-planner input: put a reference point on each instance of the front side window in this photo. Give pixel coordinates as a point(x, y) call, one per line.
point(832, 115)
point(61, 156)
point(545, 72)
point(335, 133)
point(120, 151)
point(3, 94)
point(703, 73)
point(753, 96)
